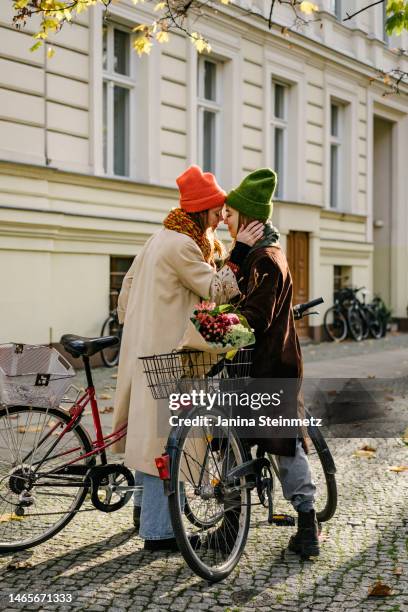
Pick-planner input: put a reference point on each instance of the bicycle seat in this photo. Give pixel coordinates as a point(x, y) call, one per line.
point(79, 345)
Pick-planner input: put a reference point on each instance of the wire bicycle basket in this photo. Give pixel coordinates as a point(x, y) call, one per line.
point(187, 370)
point(33, 375)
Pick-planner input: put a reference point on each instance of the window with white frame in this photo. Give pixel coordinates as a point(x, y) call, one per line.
point(209, 95)
point(336, 8)
point(336, 151)
point(279, 133)
point(118, 87)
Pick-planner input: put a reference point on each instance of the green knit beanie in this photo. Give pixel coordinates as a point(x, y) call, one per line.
point(253, 197)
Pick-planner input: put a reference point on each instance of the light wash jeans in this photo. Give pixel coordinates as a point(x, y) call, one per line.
point(155, 524)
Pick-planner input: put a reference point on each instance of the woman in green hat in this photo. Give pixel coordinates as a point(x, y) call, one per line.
point(266, 287)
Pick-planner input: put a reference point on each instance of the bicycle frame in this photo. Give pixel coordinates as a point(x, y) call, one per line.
point(99, 444)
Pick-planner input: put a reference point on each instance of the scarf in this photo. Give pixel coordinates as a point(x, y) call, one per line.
point(270, 238)
point(179, 221)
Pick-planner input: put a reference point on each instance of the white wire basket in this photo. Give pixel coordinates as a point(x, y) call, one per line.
point(33, 375)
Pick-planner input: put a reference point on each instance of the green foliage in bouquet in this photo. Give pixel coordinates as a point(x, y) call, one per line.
point(222, 326)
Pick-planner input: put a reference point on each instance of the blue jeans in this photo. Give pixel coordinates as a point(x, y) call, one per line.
point(155, 523)
point(296, 480)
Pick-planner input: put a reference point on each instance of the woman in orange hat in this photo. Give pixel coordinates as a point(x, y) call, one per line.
point(173, 270)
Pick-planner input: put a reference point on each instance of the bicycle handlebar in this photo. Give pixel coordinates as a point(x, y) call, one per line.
point(299, 309)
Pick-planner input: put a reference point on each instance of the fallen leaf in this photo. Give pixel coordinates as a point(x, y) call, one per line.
point(32, 429)
point(367, 447)
point(379, 589)
point(13, 565)
point(105, 396)
point(5, 518)
point(364, 453)
point(332, 392)
point(114, 376)
point(398, 468)
point(398, 571)
point(106, 409)
point(371, 376)
point(405, 436)
point(389, 398)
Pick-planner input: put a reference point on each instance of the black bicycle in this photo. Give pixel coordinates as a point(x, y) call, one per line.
point(352, 316)
point(111, 327)
point(209, 473)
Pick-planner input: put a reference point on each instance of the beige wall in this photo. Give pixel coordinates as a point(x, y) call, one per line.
point(59, 225)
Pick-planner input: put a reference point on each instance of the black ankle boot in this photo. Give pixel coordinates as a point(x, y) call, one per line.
point(306, 541)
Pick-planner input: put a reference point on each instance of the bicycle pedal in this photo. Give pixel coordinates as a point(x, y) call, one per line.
point(283, 520)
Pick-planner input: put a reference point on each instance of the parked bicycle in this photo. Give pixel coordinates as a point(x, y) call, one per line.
point(111, 327)
point(49, 462)
point(352, 316)
point(208, 469)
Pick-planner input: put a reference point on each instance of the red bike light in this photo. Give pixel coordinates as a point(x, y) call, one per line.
point(163, 466)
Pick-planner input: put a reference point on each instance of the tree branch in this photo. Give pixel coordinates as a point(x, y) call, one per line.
point(365, 8)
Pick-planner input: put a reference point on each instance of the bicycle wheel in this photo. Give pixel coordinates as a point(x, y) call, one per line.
point(202, 458)
point(323, 473)
point(355, 324)
point(335, 324)
point(375, 324)
point(38, 500)
point(110, 356)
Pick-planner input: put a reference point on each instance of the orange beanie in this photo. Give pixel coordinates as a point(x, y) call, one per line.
point(199, 190)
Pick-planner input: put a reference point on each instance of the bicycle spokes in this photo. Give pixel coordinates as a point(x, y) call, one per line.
point(37, 487)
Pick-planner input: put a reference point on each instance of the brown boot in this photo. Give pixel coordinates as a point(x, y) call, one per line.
point(306, 541)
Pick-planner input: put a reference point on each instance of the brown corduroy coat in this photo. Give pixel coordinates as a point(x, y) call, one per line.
point(266, 282)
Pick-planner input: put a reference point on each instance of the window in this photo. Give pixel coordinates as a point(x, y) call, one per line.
point(209, 114)
point(279, 133)
point(342, 277)
point(335, 6)
point(118, 86)
point(336, 116)
point(118, 268)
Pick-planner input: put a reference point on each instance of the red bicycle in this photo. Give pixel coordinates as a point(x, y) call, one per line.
point(48, 461)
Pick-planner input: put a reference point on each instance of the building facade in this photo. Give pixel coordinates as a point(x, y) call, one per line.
point(92, 139)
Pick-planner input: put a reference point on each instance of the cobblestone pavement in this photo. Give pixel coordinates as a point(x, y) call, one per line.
point(100, 561)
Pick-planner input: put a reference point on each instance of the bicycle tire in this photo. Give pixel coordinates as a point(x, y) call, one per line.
point(85, 446)
point(355, 324)
point(177, 440)
point(337, 332)
point(326, 513)
point(329, 470)
point(110, 356)
point(375, 325)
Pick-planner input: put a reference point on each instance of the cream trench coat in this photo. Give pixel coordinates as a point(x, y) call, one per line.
point(157, 298)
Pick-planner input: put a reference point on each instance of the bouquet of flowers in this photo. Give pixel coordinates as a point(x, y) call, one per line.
point(217, 329)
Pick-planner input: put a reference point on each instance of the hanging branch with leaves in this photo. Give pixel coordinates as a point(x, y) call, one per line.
point(169, 16)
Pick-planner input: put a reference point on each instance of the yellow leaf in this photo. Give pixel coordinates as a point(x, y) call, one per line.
point(162, 37)
point(405, 436)
point(159, 6)
point(200, 43)
point(140, 28)
point(5, 518)
point(105, 396)
point(364, 453)
point(50, 52)
point(225, 1)
point(308, 7)
point(398, 468)
point(142, 45)
point(36, 46)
